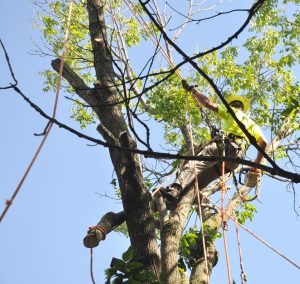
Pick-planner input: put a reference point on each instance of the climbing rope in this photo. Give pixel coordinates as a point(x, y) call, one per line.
point(197, 187)
point(9, 202)
point(234, 218)
point(243, 273)
point(253, 234)
point(91, 266)
point(224, 223)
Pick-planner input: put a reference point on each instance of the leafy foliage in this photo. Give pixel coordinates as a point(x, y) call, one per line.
point(82, 115)
point(260, 67)
point(246, 212)
point(126, 270)
point(191, 247)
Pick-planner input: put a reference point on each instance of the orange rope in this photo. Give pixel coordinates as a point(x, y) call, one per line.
point(234, 218)
point(197, 187)
point(254, 235)
point(268, 245)
point(10, 201)
point(224, 224)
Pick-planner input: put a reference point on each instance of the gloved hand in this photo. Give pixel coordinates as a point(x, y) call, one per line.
point(186, 86)
point(255, 170)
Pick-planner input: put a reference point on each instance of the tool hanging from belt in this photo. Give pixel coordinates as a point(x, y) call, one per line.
point(251, 179)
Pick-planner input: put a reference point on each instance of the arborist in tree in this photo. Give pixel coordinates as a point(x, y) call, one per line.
point(231, 139)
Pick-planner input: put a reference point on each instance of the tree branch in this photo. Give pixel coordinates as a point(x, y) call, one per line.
point(294, 177)
point(107, 223)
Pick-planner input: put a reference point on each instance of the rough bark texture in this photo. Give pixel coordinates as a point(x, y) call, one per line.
point(137, 201)
point(199, 274)
point(107, 223)
point(170, 236)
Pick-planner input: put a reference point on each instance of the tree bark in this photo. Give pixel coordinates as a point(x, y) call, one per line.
point(136, 200)
point(199, 273)
point(107, 223)
point(170, 236)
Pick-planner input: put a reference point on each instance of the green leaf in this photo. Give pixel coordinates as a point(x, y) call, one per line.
point(128, 255)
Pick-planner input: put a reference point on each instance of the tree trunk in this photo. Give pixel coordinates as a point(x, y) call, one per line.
point(136, 200)
point(199, 274)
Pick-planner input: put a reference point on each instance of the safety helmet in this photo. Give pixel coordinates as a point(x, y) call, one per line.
point(246, 102)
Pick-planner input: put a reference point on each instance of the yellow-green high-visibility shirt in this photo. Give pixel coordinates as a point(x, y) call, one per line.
point(230, 126)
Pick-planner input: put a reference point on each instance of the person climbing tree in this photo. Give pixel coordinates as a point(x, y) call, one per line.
point(231, 139)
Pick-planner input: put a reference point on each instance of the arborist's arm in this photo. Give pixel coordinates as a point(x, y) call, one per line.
point(263, 144)
point(253, 176)
point(203, 100)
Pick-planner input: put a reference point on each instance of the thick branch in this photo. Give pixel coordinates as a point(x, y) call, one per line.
point(79, 86)
point(252, 11)
point(170, 236)
point(107, 223)
point(294, 177)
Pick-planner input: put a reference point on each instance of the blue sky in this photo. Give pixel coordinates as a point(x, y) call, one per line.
point(41, 235)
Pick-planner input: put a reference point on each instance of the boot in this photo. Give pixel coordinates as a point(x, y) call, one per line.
point(173, 191)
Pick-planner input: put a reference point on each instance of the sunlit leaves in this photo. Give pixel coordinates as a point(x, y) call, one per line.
point(191, 247)
point(126, 270)
point(260, 66)
point(245, 212)
point(132, 33)
point(82, 115)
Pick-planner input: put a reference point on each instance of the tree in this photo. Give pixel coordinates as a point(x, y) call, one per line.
point(100, 36)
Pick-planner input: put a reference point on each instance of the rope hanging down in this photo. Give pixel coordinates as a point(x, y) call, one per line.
point(224, 224)
point(197, 186)
point(170, 62)
point(243, 273)
point(50, 124)
point(253, 234)
point(156, 42)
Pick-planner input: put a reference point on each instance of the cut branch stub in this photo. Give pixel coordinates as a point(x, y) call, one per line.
point(107, 223)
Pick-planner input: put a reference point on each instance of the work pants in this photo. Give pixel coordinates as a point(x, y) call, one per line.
point(207, 171)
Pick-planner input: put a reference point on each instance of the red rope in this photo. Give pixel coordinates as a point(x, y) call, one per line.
point(243, 273)
point(9, 202)
point(224, 224)
point(254, 235)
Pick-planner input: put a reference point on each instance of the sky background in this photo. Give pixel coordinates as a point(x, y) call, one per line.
point(41, 235)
